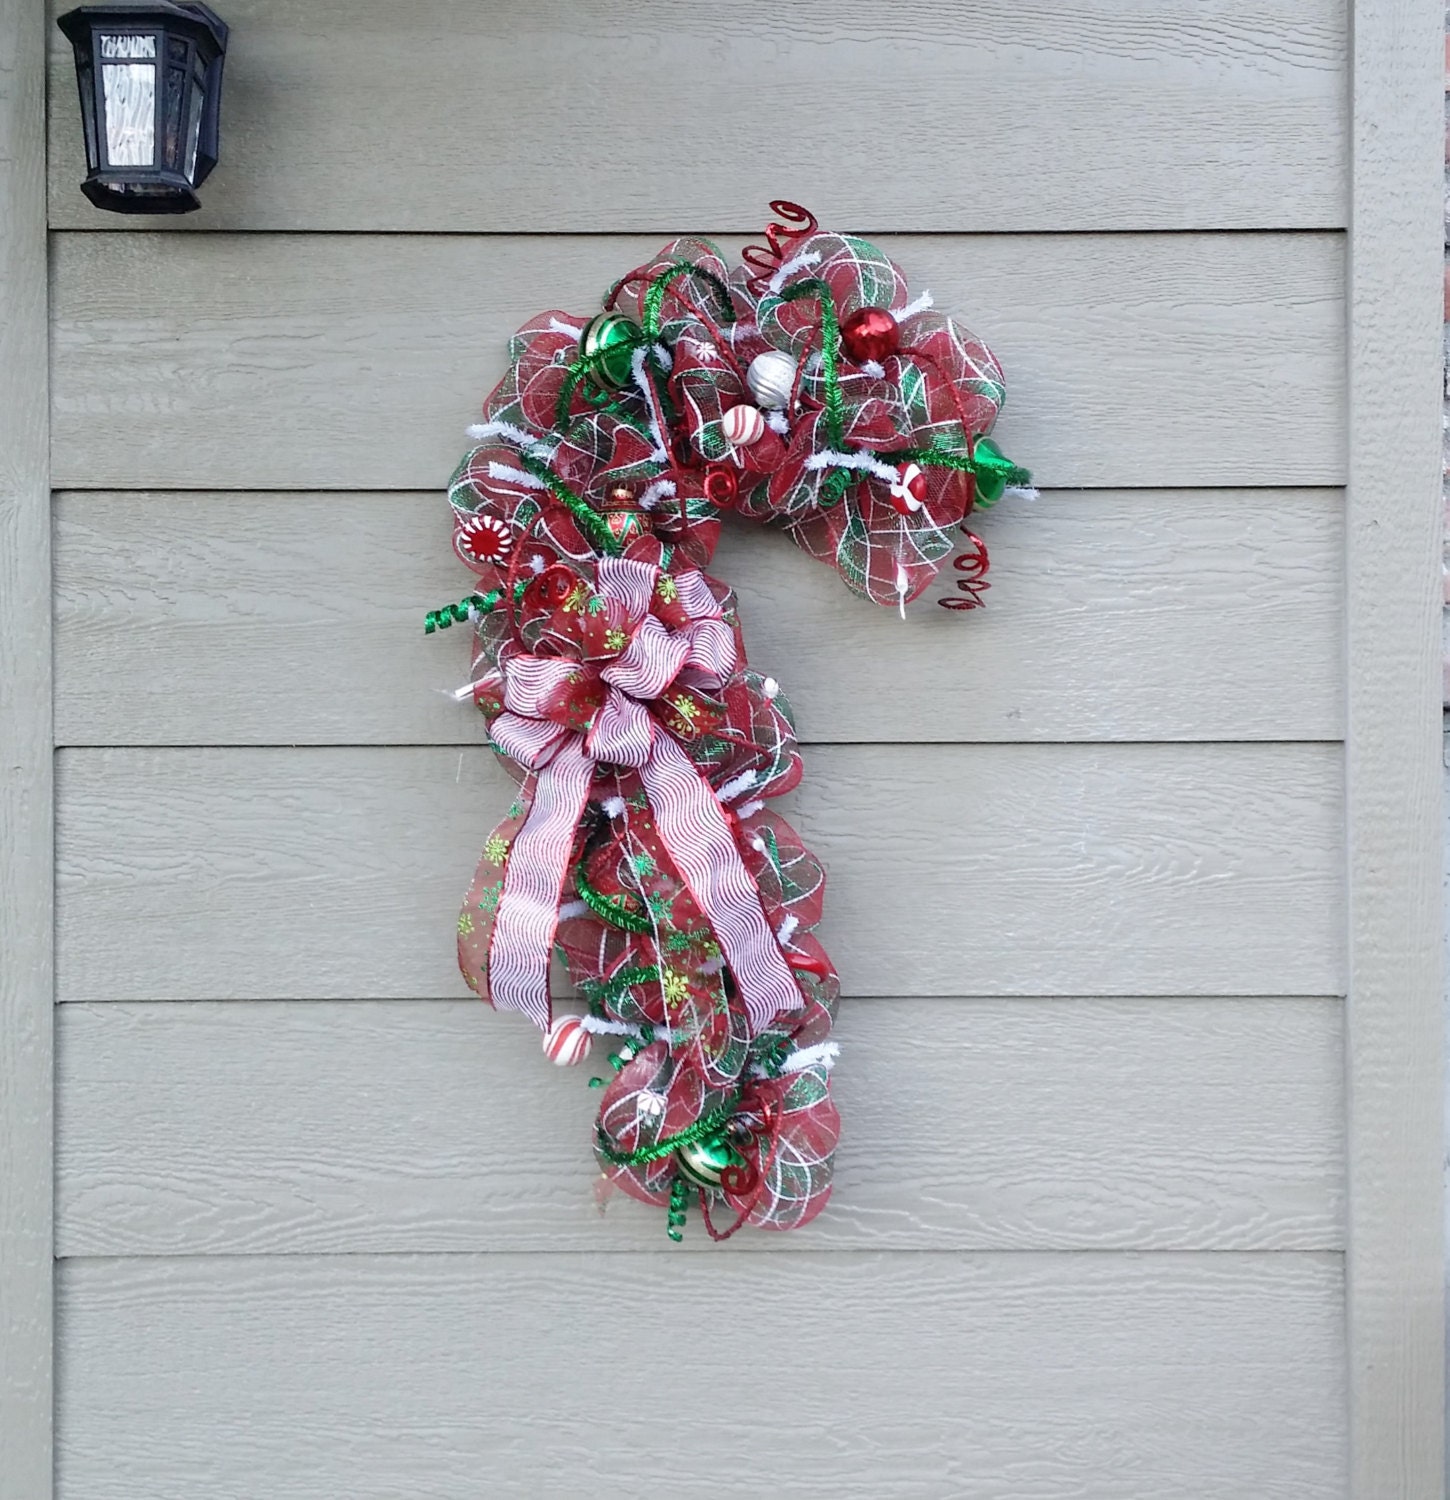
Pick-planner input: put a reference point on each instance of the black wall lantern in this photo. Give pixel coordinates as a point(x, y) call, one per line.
point(151, 91)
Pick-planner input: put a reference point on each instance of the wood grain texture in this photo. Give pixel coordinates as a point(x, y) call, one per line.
point(1396, 1038)
point(293, 619)
point(409, 1126)
point(26, 825)
point(355, 362)
point(996, 870)
point(921, 1377)
point(1109, 114)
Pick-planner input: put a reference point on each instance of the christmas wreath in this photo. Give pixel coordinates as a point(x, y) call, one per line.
point(805, 388)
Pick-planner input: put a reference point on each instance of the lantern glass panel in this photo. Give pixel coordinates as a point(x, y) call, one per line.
point(193, 125)
point(129, 90)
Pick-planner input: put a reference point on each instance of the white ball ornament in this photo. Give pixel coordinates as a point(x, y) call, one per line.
point(567, 1042)
point(743, 425)
point(771, 378)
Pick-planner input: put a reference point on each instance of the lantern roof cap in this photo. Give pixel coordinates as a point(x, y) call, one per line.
point(199, 21)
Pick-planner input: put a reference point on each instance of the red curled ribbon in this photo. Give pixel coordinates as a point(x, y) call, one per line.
point(781, 238)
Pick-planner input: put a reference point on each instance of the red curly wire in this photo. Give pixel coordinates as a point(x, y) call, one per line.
point(781, 238)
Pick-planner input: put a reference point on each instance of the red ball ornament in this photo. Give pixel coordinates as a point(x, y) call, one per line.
point(870, 333)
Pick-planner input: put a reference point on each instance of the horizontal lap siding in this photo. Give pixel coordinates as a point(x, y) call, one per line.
point(328, 1229)
point(970, 1125)
point(447, 115)
point(919, 1376)
point(954, 869)
point(354, 362)
point(1112, 616)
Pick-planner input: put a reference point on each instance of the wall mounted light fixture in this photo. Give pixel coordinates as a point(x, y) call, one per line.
point(150, 78)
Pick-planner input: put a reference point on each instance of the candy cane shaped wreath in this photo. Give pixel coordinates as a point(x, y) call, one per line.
point(804, 388)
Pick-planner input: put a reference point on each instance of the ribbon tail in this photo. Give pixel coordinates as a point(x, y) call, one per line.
point(693, 828)
point(533, 883)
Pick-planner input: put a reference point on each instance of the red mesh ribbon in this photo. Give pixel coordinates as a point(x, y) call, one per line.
point(613, 674)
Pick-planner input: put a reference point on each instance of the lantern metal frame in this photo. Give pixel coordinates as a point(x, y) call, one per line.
point(183, 44)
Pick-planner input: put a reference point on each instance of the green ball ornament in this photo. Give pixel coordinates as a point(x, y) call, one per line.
point(703, 1162)
point(608, 342)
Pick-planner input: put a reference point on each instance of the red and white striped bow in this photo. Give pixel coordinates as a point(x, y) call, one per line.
point(623, 731)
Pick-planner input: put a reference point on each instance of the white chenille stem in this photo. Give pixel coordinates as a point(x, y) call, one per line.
point(778, 422)
point(787, 928)
point(736, 786)
point(636, 365)
point(874, 369)
point(480, 432)
point(802, 262)
point(461, 694)
point(912, 308)
point(571, 909)
point(602, 1027)
point(821, 1055)
point(511, 475)
point(770, 687)
point(868, 463)
point(558, 325)
point(1021, 492)
point(655, 493)
point(749, 809)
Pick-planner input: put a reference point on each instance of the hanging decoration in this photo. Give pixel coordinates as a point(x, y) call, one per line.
point(805, 388)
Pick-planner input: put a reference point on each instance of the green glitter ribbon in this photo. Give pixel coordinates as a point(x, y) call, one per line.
point(838, 481)
point(643, 1155)
point(610, 908)
point(654, 298)
point(590, 523)
point(600, 993)
point(986, 463)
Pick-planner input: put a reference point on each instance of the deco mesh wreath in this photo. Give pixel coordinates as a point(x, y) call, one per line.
point(806, 389)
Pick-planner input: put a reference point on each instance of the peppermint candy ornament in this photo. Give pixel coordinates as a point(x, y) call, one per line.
point(908, 494)
point(567, 1042)
point(485, 539)
point(743, 425)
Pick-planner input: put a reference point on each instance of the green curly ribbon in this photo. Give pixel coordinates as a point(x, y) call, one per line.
point(679, 1202)
point(643, 1155)
point(480, 604)
point(609, 908)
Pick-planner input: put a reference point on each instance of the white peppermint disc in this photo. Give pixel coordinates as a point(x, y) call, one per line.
point(743, 425)
point(771, 378)
point(567, 1042)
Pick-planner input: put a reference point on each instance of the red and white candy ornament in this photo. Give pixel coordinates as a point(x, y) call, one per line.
point(743, 425)
point(485, 539)
point(908, 494)
point(567, 1042)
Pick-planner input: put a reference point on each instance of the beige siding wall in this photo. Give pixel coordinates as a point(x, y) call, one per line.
point(326, 1227)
